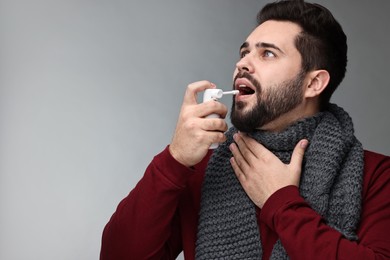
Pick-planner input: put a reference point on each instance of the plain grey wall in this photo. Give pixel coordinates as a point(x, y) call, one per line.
point(90, 92)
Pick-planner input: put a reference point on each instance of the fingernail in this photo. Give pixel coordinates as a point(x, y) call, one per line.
point(304, 143)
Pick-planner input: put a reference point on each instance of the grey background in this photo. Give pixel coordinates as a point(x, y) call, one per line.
point(90, 92)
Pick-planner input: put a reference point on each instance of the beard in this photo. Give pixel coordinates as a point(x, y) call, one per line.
point(271, 103)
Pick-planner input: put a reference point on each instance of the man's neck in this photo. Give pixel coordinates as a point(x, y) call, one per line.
point(287, 119)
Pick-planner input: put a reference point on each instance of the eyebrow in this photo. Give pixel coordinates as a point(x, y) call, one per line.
point(261, 45)
point(244, 45)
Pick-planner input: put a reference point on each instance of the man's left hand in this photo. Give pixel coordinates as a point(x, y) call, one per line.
point(260, 172)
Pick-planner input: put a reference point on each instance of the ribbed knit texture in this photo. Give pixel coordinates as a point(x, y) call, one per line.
point(331, 182)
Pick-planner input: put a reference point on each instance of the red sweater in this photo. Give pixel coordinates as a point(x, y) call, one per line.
point(159, 218)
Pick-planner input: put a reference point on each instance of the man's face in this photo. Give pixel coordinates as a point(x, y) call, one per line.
point(268, 76)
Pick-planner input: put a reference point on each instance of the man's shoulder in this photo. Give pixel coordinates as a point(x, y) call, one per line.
point(371, 156)
point(376, 166)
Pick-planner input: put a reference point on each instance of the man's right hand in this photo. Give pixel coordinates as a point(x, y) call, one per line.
point(194, 133)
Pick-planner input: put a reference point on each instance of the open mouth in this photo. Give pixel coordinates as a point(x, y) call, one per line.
point(245, 90)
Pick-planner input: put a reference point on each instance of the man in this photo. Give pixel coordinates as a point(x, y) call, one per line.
point(289, 180)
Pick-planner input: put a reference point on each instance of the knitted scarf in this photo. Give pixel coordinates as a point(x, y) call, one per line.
point(331, 182)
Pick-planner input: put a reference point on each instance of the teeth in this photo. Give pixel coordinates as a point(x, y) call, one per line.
point(242, 86)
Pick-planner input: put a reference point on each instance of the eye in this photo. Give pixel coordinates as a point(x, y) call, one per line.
point(268, 54)
point(243, 53)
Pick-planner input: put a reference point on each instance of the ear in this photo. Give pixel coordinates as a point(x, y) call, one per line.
point(318, 80)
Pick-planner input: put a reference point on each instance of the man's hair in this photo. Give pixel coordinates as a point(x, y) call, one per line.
point(322, 42)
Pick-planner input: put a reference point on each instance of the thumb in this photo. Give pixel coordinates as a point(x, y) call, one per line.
point(297, 158)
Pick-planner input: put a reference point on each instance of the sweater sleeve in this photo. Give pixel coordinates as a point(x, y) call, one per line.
point(145, 224)
point(305, 234)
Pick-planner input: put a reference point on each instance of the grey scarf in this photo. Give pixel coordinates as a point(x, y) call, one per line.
point(331, 182)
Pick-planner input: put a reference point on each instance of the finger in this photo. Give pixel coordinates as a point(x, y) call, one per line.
point(256, 148)
point(211, 107)
point(237, 170)
point(240, 160)
point(298, 153)
point(201, 137)
point(243, 147)
point(191, 94)
point(297, 157)
point(216, 137)
point(214, 124)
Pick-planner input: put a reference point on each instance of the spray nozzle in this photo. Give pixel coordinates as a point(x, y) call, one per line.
point(217, 93)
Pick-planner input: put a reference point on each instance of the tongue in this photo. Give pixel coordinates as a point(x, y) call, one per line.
point(246, 91)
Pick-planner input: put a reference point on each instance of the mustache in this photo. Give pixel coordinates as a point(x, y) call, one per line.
point(246, 75)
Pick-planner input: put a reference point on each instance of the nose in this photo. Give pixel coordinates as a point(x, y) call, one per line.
point(245, 64)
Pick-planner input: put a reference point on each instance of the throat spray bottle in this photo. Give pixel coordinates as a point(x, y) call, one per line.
point(215, 94)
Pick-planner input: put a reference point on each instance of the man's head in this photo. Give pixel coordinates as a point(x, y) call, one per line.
point(296, 55)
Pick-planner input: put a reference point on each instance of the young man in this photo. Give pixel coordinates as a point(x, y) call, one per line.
point(290, 179)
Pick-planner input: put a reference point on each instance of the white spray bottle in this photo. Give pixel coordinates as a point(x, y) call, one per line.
point(216, 94)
